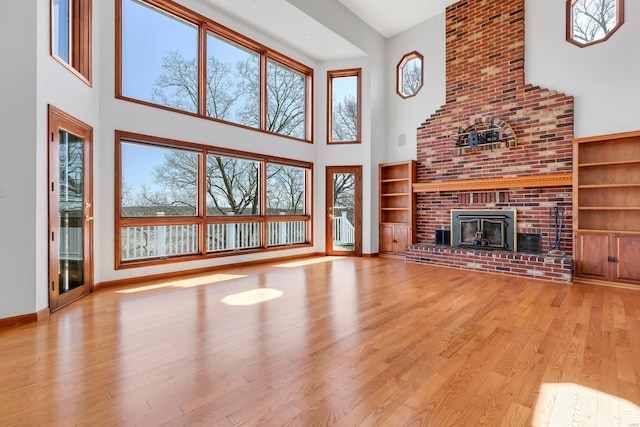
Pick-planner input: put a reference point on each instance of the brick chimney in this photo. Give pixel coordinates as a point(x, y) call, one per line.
point(485, 47)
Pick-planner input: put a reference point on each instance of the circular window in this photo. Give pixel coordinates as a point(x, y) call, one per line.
point(409, 75)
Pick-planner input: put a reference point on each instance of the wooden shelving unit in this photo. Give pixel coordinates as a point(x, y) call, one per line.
point(606, 188)
point(397, 206)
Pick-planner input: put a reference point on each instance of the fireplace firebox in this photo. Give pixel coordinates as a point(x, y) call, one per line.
point(484, 229)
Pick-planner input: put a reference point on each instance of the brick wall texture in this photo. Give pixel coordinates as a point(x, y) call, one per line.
point(485, 80)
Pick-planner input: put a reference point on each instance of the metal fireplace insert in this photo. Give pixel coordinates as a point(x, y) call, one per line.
point(484, 229)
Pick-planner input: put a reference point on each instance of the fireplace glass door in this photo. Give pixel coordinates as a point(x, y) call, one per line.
point(485, 229)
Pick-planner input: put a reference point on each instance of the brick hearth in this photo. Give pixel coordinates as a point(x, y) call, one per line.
point(536, 266)
point(485, 82)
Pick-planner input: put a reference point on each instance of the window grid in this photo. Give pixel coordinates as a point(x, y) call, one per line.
point(260, 90)
point(148, 232)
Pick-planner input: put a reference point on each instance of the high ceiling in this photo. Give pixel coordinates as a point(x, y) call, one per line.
point(287, 24)
point(393, 17)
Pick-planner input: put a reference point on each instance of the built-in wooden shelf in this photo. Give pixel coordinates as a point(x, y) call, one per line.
point(547, 180)
point(397, 206)
point(606, 207)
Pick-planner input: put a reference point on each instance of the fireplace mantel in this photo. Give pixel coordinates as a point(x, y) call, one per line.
point(529, 181)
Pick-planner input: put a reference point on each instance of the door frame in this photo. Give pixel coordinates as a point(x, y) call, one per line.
point(357, 171)
point(59, 120)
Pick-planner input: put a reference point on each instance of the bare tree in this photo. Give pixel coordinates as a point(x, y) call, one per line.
point(177, 87)
point(178, 177)
point(232, 186)
point(412, 76)
point(344, 190)
point(71, 167)
point(344, 124)
point(593, 19)
point(285, 189)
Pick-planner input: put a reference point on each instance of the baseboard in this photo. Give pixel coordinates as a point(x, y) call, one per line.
point(43, 314)
point(23, 319)
point(390, 255)
point(586, 281)
point(372, 255)
point(174, 274)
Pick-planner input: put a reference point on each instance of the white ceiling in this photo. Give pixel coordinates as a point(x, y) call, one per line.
point(286, 23)
point(393, 17)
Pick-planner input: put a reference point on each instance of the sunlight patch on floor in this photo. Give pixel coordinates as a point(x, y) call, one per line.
point(251, 297)
point(308, 262)
point(570, 404)
point(185, 283)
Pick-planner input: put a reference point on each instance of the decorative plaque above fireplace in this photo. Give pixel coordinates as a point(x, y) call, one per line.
point(484, 229)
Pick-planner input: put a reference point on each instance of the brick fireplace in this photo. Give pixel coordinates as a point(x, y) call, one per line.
point(497, 143)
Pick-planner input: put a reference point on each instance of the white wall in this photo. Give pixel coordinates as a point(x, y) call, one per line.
point(58, 87)
point(18, 159)
point(405, 115)
point(603, 78)
point(372, 150)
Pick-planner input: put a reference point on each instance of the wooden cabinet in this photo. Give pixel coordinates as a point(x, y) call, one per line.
point(397, 206)
point(610, 257)
point(394, 238)
point(606, 214)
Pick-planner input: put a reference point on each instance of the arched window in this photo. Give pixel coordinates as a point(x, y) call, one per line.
point(593, 21)
point(409, 75)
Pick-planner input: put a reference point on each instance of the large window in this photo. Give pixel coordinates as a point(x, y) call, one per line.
point(172, 57)
point(159, 57)
point(181, 201)
point(593, 21)
point(343, 101)
point(71, 35)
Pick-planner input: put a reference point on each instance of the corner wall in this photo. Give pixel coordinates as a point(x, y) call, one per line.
point(18, 160)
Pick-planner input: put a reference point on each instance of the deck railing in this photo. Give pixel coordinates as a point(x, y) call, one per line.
point(232, 236)
point(157, 241)
point(343, 230)
point(286, 233)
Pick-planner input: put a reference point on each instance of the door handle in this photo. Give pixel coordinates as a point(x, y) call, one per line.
point(88, 218)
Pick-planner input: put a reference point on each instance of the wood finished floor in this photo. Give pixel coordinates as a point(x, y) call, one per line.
point(336, 341)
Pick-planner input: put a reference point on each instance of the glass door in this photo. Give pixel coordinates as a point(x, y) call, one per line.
point(344, 215)
point(70, 210)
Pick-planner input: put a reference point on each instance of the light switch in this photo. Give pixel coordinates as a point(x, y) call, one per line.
point(1, 191)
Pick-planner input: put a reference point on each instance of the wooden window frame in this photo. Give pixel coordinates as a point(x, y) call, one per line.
point(399, 81)
point(352, 72)
point(206, 25)
point(81, 39)
point(201, 219)
point(569, 24)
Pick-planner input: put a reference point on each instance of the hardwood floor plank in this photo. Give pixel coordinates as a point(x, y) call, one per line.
point(345, 341)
